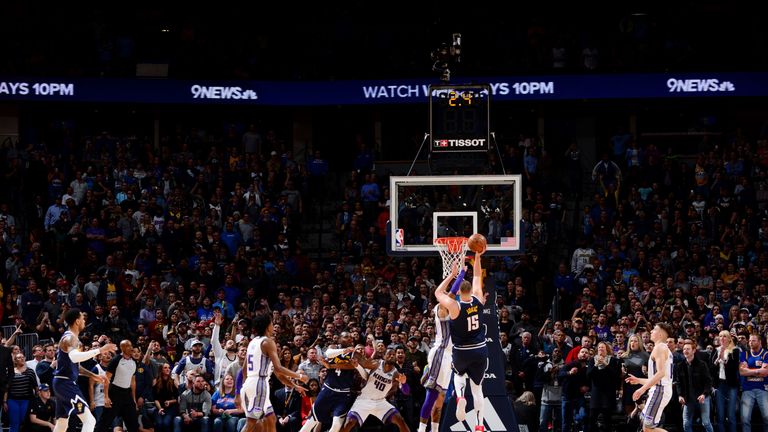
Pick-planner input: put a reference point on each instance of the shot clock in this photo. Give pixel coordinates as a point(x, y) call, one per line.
point(459, 118)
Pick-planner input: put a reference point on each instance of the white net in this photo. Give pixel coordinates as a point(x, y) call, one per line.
point(452, 251)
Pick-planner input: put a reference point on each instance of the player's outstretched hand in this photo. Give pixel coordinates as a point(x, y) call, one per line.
point(348, 350)
point(108, 347)
point(454, 270)
point(637, 394)
point(302, 391)
point(304, 378)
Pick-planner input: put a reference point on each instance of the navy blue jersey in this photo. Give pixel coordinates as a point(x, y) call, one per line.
point(65, 368)
point(467, 329)
point(338, 379)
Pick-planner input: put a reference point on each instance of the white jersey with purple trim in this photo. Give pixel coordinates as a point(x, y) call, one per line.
point(442, 331)
point(668, 378)
point(437, 373)
point(379, 383)
point(658, 395)
point(371, 401)
point(257, 364)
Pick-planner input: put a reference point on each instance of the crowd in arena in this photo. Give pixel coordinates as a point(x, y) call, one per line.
point(175, 251)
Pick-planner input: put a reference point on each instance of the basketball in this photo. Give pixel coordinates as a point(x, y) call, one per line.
point(477, 243)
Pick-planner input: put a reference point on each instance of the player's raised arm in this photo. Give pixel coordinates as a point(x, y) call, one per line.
point(71, 345)
point(442, 296)
point(477, 277)
point(366, 363)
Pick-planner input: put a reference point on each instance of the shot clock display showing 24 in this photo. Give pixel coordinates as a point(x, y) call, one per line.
point(459, 117)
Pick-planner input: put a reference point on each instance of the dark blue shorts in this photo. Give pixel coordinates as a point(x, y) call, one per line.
point(69, 399)
point(330, 404)
point(472, 362)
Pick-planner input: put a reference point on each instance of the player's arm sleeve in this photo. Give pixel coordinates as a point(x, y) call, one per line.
point(333, 352)
point(457, 283)
point(78, 356)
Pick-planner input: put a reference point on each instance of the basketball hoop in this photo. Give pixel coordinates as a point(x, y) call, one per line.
point(452, 251)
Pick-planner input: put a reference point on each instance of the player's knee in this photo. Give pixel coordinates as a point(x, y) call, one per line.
point(89, 421)
point(309, 425)
point(61, 425)
point(336, 425)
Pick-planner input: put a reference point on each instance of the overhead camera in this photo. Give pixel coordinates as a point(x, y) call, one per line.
point(445, 56)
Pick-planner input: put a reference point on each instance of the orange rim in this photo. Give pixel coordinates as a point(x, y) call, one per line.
point(452, 244)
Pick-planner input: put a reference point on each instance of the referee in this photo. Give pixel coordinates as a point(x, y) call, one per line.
point(120, 394)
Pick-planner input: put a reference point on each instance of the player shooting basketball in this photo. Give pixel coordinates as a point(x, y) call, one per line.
point(470, 353)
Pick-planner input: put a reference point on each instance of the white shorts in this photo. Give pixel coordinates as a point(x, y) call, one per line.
point(437, 373)
point(254, 397)
point(381, 409)
point(658, 398)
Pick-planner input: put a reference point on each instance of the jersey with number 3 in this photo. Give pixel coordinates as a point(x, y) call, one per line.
point(379, 383)
point(257, 364)
point(466, 329)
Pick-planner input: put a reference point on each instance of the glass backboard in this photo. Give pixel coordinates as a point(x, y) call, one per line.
point(424, 208)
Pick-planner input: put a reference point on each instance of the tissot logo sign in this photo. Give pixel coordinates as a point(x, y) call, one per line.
point(460, 144)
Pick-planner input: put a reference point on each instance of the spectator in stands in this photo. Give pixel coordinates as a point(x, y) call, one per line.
point(288, 409)
point(193, 362)
point(22, 389)
point(194, 406)
point(573, 378)
point(525, 411)
point(552, 391)
point(31, 303)
point(225, 406)
point(753, 368)
point(223, 356)
point(166, 396)
point(37, 354)
point(45, 367)
point(726, 381)
point(42, 411)
point(606, 172)
point(144, 378)
point(634, 362)
point(96, 398)
point(308, 399)
point(694, 386)
point(311, 366)
point(604, 374)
